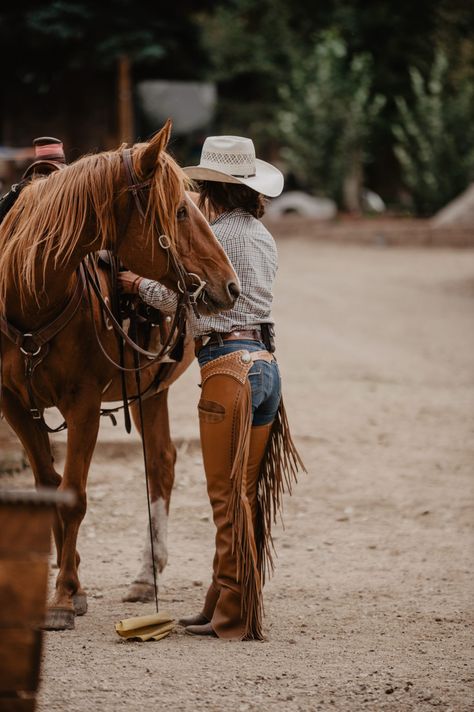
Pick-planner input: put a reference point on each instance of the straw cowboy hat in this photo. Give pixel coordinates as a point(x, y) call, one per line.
point(231, 159)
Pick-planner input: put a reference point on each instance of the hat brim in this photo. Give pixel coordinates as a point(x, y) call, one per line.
point(267, 180)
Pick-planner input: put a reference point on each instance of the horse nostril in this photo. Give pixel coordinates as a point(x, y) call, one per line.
point(233, 289)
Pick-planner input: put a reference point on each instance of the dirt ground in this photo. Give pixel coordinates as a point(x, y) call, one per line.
point(370, 605)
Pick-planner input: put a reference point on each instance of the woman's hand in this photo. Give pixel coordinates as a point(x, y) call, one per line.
point(129, 282)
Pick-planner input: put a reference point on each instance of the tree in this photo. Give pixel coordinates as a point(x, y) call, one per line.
point(435, 137)
point(49, 40)
point(253, 49)
point(63, 58)
point(327, 119)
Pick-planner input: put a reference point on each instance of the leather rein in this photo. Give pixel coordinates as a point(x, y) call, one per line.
point(35, 345)
point(186, 298)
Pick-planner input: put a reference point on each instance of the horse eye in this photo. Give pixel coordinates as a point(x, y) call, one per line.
point(182, 213)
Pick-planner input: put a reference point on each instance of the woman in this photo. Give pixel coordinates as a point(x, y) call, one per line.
point(247, 450)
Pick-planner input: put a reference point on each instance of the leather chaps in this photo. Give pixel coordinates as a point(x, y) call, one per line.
point(247, 469)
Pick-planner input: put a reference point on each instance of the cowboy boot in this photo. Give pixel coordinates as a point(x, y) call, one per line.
point(203, 629)
point(198, 619)
point(210, 601)
point(225, 415)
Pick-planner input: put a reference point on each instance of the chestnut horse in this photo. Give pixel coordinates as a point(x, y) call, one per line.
point(53, 225)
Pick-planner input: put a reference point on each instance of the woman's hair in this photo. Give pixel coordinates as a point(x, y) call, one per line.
point(216, 198)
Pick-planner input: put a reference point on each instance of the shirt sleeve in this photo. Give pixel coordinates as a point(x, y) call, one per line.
point(158, 296)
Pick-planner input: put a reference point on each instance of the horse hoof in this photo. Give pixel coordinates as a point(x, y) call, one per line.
point(80, 603)
point(142, 592)
point(59, 619)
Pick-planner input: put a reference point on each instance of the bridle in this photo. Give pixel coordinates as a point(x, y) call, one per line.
point(35, 345)
point(137, 189)
point(187, 296)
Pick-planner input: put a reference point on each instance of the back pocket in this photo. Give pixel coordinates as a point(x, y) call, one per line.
point(210, 411)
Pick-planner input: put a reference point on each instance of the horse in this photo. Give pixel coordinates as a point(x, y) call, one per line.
point(55, 224)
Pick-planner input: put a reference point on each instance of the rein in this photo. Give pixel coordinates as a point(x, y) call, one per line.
point(177, 327)
point(35, 345)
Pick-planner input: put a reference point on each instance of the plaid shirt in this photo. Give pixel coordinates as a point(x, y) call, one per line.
point(252, 251)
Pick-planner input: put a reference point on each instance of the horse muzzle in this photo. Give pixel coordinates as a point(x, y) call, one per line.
point(212, 302)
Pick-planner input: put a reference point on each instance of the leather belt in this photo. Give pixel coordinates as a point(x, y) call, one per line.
point(215, 337)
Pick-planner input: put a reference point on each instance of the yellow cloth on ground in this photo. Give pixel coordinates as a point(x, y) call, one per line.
point(153, 627)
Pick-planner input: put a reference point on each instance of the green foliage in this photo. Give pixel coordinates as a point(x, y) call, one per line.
point(320, 100)
point(435, 137)
point(98, 31)
point(248, 44)
point(328, 115)
point(247, 38)
point(43, 42)
point(255, 47)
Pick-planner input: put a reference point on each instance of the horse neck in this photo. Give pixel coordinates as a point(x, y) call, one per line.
point(55, 285)
point(71, 216)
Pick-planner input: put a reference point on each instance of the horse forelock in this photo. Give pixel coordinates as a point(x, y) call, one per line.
point(166, 193)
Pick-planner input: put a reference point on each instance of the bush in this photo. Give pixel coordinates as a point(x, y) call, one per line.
point(326, 120)
point(435, 137)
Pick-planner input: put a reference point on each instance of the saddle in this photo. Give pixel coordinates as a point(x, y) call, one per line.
point(134, 323)
point(49, 158)
point(8, 200)
point(127, 307)
point(141, 321)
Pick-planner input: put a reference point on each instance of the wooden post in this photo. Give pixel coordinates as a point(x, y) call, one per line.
point(125, 101)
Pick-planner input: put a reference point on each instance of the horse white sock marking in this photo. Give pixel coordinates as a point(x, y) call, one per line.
point(159, 519)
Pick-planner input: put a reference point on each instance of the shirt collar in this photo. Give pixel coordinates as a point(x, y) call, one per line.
point(228, 213)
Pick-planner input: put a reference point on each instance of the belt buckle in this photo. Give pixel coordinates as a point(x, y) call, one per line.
point(205, 339)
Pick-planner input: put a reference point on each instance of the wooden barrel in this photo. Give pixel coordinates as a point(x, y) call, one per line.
point(25, 543)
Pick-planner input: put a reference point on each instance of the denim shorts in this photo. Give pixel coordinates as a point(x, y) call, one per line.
point(264, 377)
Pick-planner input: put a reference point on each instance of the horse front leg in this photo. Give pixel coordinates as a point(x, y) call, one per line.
point(82, 416)
point(35, 440)
point(161, 458)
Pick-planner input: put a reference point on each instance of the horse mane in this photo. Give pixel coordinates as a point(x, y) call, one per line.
point(51, 216)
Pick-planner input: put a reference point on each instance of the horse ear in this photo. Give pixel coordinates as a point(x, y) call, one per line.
point(149, 158)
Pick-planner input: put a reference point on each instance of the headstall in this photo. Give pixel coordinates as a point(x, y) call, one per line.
point(137, 188)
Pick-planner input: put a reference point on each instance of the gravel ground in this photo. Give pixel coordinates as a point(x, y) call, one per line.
point(370, 605)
